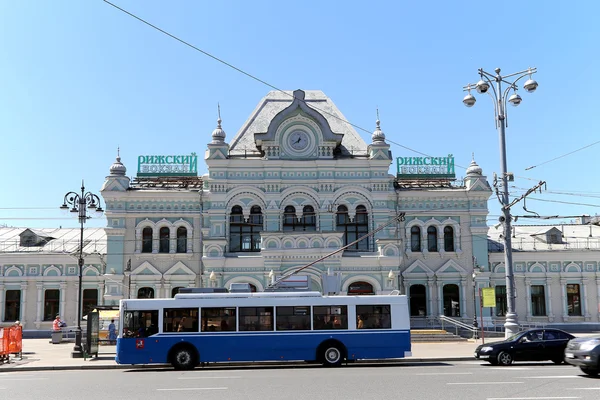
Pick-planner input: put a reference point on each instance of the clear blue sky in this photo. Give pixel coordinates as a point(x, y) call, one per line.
point(79, 78)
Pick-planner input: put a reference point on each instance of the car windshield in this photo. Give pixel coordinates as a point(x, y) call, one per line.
point(515, 336)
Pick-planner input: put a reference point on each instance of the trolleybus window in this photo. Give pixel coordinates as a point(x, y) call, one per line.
point(374, 316)
point(293, 318)
point(140, 323)
point(330, 317)
point(220, 319)
point(256, 318)
point(180, 320)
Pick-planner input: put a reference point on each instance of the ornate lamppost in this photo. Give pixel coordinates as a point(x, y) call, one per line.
point(78, 205)
point(500, 96)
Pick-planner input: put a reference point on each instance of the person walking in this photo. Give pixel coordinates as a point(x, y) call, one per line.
point(112, 332)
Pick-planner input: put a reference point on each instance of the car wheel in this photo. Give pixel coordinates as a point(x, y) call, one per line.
point(505, 358)
point(558, 361)
point(184, 358)
point(332, 356)
point(589, 371)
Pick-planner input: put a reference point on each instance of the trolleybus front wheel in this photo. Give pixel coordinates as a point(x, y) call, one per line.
point(184, 357)
point(331, 354)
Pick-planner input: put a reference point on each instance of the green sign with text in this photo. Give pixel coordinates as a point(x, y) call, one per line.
point(426, 167)
point(168, 165)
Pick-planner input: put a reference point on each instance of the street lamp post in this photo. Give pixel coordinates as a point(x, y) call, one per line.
point(79, 204)
point(475, 324)
point(499, 96)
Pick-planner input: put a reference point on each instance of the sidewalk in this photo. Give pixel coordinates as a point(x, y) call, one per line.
point(40, 354)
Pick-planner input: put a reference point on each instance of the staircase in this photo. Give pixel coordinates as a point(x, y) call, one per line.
point(434, 335)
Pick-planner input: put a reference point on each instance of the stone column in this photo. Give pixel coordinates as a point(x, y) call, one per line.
point(63, 300)
point(173, 239)
point(167, 289)
point(528, 297)
point(2, 307)
point(133, 287)
point(40, 301)
point(565, 306)
point(549, 299)
point(430, 295)
point(24, 304)
point(440, 290)
point(463, 298)
point(584, 301)
point(101, 289)
point(138, 240)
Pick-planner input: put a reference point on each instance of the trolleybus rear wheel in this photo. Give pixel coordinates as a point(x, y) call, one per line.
point(332, 356)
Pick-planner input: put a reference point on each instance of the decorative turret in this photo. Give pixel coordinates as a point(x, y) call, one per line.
point(218, 135)
point(218, 148)
point(379, 149)
point(474, 169)
point(475, 180)
point(116, 180)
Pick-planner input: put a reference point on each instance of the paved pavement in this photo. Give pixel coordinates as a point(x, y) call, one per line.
point(40, 354)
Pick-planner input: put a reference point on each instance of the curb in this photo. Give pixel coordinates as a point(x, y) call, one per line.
point(164, 366)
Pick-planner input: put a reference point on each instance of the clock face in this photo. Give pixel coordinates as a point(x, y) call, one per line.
point(298, 140)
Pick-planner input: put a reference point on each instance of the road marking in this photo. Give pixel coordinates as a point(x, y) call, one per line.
point(181, 389)
point(594, 388)
point(482, 383)
point(29, 379)
point(446, 373)
point(531, 398)
point(511, 368)
point(213, 377)
point(551, 377)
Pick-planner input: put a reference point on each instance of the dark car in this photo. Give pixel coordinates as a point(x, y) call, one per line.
point(585, 353)
point(530, 345)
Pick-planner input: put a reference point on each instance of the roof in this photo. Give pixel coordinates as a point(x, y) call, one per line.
point(529, 237)
point(62, 240)
point(275, 102)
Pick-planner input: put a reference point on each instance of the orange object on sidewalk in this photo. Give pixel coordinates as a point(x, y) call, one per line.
point(11, 342)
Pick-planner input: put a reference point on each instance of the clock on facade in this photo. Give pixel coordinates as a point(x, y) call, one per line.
point(298, 140)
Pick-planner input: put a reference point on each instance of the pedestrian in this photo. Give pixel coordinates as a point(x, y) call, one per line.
point(112, 332)
point(56, 324)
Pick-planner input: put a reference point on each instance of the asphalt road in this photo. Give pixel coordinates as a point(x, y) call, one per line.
point(461, 380)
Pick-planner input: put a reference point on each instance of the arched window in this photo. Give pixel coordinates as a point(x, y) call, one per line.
point(418, 301)
point(448, 238)
point(175, 290)
point(289, 218)
point(353, 229)
point(360, 288)
point(147, 240)
point(309, 219)
point(145, 293)
point(163, 244)
point(181, 240)
point(415, 238)
point(245, 235)
point(451, 300)
point(432, 239)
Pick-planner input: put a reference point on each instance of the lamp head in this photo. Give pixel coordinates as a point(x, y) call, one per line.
point(515, 99)
point(530, 85)
point(469, 100)
point(482, 86)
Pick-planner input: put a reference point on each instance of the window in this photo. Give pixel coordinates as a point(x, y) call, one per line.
point(451, 300)
point(163, 243)
point(360, 288)
point(330, 317)
point(432, 239)
point(145, 293)
point(418, 301)
point(245, 235)
point(501, 305)
point(256, 318)
point(220, 319)
point(181, 240)
point(90, 301)
point(448, 238)
point(175, 290)
point(140, 323)
point(573, 300)
point(51, 300)
point(180, 320)
point(309, 219)
point(293, 318)
point(373, 317)
point(289, 218)
point(12, 305)
point(415, 239)
point(538, 301)
point(353, 230)
point(147, 240)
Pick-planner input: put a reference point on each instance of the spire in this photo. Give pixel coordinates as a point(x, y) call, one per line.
point(378, 136)
point(118, 168)
point(218, 134)
point(474, 168)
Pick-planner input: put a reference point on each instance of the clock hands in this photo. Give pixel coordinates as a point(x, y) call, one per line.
point(298, 141)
